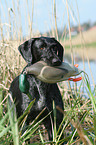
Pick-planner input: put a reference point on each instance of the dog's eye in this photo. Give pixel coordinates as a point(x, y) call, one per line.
point(42, 48)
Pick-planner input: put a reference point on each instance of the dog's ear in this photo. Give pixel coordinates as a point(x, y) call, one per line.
point(60, 49)
point(26, 50)
point(61, 52)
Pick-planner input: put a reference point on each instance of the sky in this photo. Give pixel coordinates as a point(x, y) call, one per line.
point(43, 18)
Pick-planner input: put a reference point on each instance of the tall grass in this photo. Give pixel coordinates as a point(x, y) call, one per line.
point(79, 122)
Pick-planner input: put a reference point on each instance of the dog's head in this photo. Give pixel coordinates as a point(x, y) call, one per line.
point(42, 48)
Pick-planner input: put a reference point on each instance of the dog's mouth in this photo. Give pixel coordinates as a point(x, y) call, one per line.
point(56, 62)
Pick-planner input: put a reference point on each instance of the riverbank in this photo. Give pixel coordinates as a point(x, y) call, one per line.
point(86, 53)
point(83, 45)
point(87, 37)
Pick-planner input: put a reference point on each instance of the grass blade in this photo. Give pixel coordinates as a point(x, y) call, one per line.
point(4, 131)
point(13, 121)
point(54, 125)
point(92, 98)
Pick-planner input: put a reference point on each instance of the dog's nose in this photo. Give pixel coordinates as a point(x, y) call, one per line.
point(56, 62)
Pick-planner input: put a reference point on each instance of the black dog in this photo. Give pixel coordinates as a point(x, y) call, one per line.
point(50, 51)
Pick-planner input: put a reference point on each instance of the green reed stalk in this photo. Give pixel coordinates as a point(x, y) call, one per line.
point(55, 20)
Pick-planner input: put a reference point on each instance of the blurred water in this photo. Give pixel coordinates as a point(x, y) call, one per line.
point(90, 69)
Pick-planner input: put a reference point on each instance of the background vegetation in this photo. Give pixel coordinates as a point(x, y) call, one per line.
point(79, 123)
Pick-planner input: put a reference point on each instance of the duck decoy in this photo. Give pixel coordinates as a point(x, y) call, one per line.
point(50, 74)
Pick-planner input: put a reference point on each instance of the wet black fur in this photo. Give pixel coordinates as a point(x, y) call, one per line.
point(50, 51)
